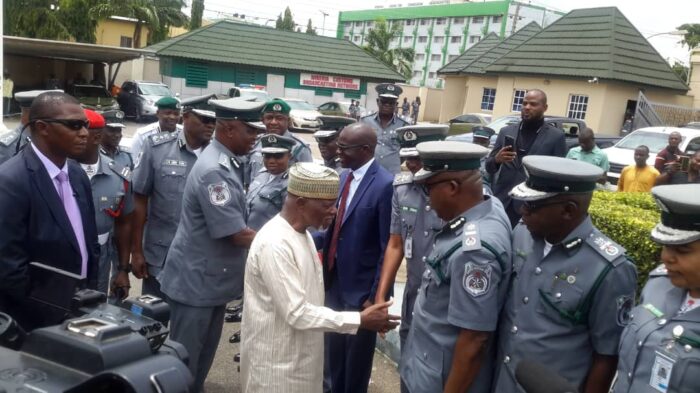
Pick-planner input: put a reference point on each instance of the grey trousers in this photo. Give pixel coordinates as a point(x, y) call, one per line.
point(199, 330)
point(108, 263)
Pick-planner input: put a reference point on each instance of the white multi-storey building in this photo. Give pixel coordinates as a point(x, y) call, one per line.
point(439, 31)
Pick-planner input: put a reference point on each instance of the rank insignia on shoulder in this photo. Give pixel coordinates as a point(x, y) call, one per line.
point(403, 178)
point(471, 241)
point(572, 243)
point(8, 138)
point(659, 271)
point(162, 137)
point(605, 247)
point(224, 161)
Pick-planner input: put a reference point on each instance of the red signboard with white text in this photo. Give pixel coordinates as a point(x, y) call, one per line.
point(329, 81)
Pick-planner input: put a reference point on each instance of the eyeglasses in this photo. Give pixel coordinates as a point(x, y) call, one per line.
point(73, 124)
point(206, 120)
point(430, 186)
point(342, 147)
point(529, 206)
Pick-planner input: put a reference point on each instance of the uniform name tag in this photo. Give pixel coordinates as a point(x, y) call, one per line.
point(408, 247)
point(661, 372)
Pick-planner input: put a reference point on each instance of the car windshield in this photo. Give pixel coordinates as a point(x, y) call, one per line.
point(655, 141)
point(90, 91)
point(501, 122)
point(301, 105)
point(148, 89)
point(258, 94)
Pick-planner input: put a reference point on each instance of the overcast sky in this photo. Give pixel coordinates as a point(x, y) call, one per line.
point(649, 17)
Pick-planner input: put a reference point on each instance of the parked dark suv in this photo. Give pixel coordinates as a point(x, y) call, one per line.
point(138, 98)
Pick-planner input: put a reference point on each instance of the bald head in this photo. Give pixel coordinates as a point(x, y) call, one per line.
point(540, 94)
point(356, 145)
point(360, 134)
point(47, 105)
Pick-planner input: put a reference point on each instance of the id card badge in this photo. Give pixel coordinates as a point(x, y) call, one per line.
point(661, 372)
point(408, 247)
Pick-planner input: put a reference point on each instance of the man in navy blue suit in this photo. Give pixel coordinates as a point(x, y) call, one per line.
point(46, 212)
point(353, 250)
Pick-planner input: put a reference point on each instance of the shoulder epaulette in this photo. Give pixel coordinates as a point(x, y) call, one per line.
point(9, 138)
point(121, 171)
point(659, 271)
point(608, 249)
point(162, 137)
point(225, 161)
point(403, 178)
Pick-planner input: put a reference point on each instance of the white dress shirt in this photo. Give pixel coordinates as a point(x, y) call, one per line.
point(283, 316)
point(357, 176)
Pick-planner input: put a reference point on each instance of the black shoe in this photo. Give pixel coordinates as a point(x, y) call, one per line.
point(237, 358)
point(235, 337)
point(237, 308)
point(233, 317)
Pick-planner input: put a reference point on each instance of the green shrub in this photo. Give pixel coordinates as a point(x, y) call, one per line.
point(628, 218)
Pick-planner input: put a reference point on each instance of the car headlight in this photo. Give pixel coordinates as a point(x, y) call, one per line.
point(310, 118)
point(150, 102)
point(119, 115)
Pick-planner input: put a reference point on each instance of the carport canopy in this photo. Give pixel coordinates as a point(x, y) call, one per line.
point(72, 51)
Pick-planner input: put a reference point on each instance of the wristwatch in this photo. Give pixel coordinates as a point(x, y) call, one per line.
point(126, 268)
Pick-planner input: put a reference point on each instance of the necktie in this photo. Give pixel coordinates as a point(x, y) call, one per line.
point(339, 221)
point(65, 192)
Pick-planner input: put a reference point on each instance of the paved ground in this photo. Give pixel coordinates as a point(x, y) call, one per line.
point(224, 376)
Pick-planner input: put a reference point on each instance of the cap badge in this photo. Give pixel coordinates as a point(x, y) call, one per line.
point(277, 107)
point(410, 136)
point(271, 139)
point(390, 88)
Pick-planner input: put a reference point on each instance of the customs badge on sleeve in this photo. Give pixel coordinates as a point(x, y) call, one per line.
point(477, 279)
point(219, 193)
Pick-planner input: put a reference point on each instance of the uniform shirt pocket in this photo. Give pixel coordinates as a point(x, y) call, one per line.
point(561, 302)
point(173, 177)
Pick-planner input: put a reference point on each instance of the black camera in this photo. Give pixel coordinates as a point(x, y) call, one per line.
point(105, 348)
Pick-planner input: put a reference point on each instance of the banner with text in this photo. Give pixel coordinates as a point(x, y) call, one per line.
point(328, 81)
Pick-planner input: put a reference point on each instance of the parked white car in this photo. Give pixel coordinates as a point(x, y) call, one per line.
point(303, 114)
point(655, 138)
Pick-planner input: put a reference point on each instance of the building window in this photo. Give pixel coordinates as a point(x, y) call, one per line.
point(458, 21)
point(477, 19)
point(455, 39)
point(435, 57)
point(358, 24)
point(496, 19)
point(440, 21)
point(356, 38)
point(473, 39)
point(452, 57)
point(125, 42)
point(370, 24)
point(423, 22)
point(518, 96)
point(407, 39)
point(419, 57)
point(438, 39)
point(196, 75)
point(488, 99)
point(347, 25)
point(410, 22)
point(578, 104)
point(417, 74)
point(346, 37)
point(422, 39)
point(431, 75)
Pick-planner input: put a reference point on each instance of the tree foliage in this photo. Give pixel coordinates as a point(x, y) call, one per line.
point(378, 44)
point(310, 29)
point(34, 19)
point(285, 22)
point(691, 39)
point(681, 70)
point(196, 14)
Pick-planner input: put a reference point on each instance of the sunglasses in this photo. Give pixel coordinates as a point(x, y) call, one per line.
point(529, 206)
point(206, 120)
point(342, 147)
point(73, 124)
point(430, 186)
point(275, 156)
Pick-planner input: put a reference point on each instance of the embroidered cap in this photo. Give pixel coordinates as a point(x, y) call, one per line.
point(388, 90)
point(313, 181)
point(680, 214)
point(549, 176)
point(277, 106)
point(273, 143)
point(238, 109)
point(168, 103)
point(410, 136)
point(96, 120)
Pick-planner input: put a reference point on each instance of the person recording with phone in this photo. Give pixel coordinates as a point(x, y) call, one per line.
point(531, 136)
point(683, 170)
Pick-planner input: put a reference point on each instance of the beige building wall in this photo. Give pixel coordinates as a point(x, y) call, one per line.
point(695, 77)
point(430, 107)
point(110, 31)
point(453, 96)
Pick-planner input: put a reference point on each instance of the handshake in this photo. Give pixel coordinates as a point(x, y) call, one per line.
point(376, 317)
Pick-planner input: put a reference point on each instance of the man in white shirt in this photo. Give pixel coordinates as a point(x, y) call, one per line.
point(284, 316)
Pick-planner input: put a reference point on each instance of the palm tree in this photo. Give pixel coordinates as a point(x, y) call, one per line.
point(142, 10)
point(169, 14)
point(34, 19)
point(379, 45)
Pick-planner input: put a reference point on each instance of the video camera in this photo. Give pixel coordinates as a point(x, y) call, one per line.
point(105, 348)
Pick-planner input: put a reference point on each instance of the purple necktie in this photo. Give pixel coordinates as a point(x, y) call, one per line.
point(65, 192)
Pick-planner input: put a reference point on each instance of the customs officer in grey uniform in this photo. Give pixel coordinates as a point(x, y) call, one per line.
point(109, 144)
point(205, 264)
point(660, 347)
point(482, 137)
point(326, 138)
point(114, 203)
point(9, 145)
point(385, 122)
point(266, 193)
point(159, 181)
point(413, 225)
point(275, 118)
point(572, 286)
point(168, 114)
point(450, 346)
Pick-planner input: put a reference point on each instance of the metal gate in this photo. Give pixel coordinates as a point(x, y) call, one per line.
point(652, 114)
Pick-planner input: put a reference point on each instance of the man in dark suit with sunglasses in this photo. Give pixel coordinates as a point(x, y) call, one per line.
point(47, 216)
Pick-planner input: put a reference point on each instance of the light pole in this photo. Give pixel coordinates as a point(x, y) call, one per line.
point(323, 27)
point(675, 32)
